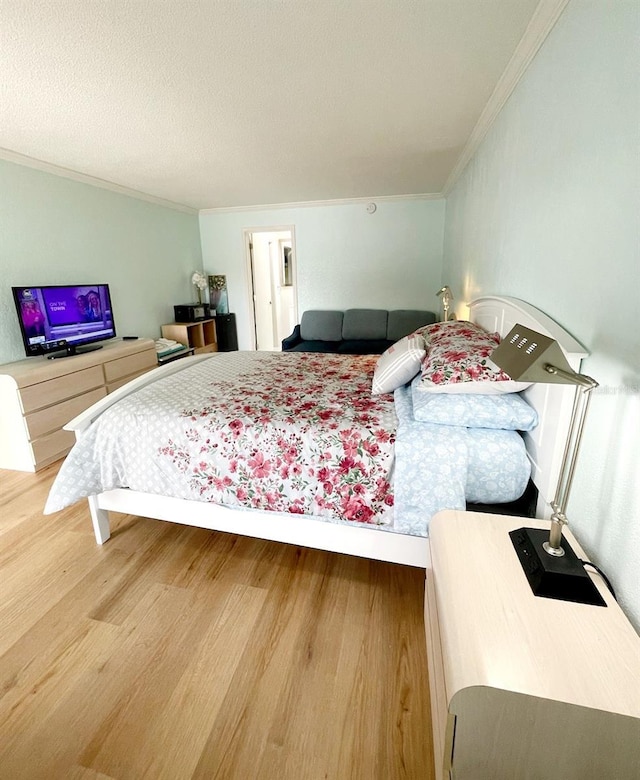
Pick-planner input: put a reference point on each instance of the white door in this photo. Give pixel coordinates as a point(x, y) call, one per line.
point(263, 295)
point(272, 275)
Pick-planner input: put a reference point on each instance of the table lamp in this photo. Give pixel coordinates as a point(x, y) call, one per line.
point(552, 567)
point(447, 297)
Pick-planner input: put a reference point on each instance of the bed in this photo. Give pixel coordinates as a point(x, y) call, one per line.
point(371, 538)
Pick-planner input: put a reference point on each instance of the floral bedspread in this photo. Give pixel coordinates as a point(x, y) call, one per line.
point(287, 432)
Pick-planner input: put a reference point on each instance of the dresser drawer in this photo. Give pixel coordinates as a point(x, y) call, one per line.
point(55, 390)
point(131, 364)
point(54, 417)
point(120, 382)
point(52, 446)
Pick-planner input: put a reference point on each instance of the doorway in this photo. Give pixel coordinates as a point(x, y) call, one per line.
point(271, 270)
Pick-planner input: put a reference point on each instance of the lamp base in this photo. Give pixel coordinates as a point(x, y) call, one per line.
point(550, 576)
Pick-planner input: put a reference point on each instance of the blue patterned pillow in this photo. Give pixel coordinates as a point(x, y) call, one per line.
point(508, 411)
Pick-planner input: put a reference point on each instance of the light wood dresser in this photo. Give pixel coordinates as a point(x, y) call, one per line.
point(521, 686)
point(38, 396)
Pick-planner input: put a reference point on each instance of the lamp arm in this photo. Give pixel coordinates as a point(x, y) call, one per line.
point(572, 377)
point(569, 459)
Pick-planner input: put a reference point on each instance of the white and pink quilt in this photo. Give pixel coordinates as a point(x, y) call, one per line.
point(287, 432)
point(291, 432)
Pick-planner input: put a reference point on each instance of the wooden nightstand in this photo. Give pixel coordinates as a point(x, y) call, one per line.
point(521, 686)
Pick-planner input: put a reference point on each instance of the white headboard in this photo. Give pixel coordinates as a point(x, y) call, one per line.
point(546, 443)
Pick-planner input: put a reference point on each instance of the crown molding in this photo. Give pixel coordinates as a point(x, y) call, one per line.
point(83, 178)
point(542, 22)
point(320, 203)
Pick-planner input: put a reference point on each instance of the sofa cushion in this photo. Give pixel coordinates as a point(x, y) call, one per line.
point(363, 346)
point(317, 325)
point(364, 324)
point(402, 322)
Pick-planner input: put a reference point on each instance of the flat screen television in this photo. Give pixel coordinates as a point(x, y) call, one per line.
point(60, 320)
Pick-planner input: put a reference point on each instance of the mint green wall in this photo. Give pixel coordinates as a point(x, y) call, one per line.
point(548, 211)
point(56, 231)
point(345, 257)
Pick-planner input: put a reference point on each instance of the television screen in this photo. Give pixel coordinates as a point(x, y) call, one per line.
point(60, 319)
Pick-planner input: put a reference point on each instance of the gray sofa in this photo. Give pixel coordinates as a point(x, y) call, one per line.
point(354, 331)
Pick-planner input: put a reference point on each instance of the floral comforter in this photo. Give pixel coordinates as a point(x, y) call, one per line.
point(287, 432)
point(291, 432)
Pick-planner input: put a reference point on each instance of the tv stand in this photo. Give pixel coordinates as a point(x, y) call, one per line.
point(72, 350)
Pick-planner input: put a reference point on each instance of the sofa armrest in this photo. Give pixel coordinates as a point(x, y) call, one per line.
point(291, 341)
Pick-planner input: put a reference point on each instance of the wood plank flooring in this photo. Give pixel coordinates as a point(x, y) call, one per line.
point(174, 652)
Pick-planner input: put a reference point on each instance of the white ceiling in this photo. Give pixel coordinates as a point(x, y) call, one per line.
point(223, 103)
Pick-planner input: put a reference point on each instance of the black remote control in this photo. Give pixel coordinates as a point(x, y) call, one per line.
point(129, 338)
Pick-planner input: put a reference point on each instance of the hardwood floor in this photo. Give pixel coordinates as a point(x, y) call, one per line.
point(174, 652)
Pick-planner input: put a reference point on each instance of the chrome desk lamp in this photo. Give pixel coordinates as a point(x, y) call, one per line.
point(552, 567)
point(447, 297)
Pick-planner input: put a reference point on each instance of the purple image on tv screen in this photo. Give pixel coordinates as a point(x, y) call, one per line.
point(72, 305)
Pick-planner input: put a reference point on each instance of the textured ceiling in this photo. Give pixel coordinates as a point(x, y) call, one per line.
point(221, 103)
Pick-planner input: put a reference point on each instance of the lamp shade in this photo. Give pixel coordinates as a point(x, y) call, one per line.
point(529, 356)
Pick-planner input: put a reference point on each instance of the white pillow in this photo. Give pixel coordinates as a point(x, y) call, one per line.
point(473, 388)
point(399, 364)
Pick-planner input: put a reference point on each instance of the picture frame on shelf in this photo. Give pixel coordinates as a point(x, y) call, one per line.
point(218, 296)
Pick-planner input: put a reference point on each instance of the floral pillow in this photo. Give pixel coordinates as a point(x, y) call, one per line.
point(441, 330)
point(399, 364)
point(459, 361)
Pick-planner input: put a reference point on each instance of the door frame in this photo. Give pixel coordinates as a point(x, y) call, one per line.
point(246, 237)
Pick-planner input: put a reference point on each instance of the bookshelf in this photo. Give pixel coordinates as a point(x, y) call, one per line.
point(199, 336)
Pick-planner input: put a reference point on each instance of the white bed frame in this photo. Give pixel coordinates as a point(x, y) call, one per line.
point(545, 446)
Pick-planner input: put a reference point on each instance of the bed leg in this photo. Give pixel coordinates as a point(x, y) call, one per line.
point(100, 520)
